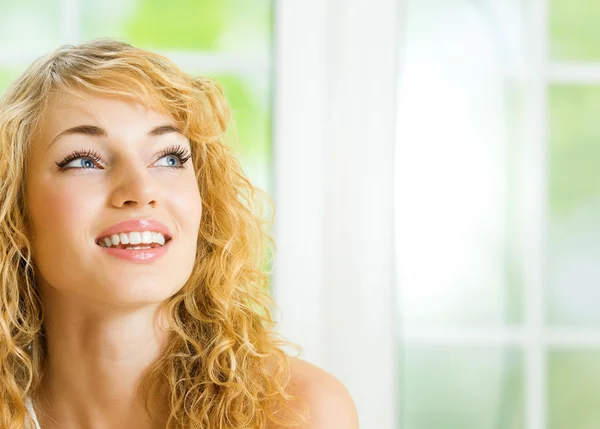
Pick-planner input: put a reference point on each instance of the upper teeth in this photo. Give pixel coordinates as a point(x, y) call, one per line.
point(133, 237)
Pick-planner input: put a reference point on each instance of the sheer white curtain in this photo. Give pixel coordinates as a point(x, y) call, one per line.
point(334, 152)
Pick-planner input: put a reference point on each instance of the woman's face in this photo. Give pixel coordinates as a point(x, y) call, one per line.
point(97, 162)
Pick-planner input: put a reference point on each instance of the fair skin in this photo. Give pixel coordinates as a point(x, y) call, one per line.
point(102, 318)
point(329, 403)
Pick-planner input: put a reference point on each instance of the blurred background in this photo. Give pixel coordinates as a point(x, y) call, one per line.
point(498, 180)
point(435, 166)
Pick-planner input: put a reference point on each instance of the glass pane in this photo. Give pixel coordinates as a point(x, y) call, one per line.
point(573, 389)
point(574, 205)
point(574, 30)
point(207, 25)
point(457, 186)
point(454, 387)
point(29, 26)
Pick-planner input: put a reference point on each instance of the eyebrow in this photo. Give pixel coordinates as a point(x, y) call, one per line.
point(94, 131)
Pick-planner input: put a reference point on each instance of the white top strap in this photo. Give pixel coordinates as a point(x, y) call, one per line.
point(32, 412)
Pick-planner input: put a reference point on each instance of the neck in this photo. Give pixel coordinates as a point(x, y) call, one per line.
point(96, 360)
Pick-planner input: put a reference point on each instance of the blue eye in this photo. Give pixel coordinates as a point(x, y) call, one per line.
point(86, 159)
point(179, 153)
point(85, 163)
point(172, 161)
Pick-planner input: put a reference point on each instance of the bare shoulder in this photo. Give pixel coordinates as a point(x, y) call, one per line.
point(329, 402)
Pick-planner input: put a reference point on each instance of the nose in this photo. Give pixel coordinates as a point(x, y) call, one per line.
point(135, 187)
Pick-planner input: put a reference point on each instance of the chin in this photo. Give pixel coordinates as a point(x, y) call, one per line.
point(137, 293)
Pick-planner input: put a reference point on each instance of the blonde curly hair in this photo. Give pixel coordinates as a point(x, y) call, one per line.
point(224, 365)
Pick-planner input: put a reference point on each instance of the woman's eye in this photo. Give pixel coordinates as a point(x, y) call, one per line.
point(81, 162)
point(172, 161)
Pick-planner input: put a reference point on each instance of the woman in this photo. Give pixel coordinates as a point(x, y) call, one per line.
point(132, 294)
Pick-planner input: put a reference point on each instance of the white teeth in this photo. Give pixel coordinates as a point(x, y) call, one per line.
point(134, 237)
point(147, 237)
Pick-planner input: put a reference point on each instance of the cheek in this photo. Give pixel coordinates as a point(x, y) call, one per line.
point(186, 204)
point(60, 210)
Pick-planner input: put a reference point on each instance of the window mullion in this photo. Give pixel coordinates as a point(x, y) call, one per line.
point(534, 215)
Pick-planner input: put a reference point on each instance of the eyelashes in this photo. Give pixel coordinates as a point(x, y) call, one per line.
point(179, 151)
point(182, 153)
point(79, 154)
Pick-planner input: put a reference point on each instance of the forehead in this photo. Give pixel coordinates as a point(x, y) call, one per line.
point(111, 113)
point(63, 106)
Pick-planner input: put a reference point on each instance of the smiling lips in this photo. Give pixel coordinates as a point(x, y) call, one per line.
point(126, 240)
point(137, 240)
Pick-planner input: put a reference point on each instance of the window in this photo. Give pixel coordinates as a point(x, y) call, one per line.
point(498, 201)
